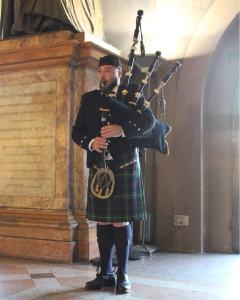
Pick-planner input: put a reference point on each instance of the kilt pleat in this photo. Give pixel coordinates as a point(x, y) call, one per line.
point(127, 203)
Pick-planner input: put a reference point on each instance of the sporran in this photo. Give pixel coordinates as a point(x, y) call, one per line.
point(103, 183)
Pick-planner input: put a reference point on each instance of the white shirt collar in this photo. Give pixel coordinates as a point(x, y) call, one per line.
point(115, 90)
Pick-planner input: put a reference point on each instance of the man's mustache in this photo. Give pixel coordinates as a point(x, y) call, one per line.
point(105, 82)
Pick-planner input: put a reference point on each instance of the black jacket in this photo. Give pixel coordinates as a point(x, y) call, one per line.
point(87, 125)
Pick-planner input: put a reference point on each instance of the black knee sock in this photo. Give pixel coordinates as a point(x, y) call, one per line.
point(105, 245)
point(122, 239)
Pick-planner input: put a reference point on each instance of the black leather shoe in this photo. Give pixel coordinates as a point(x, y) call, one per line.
point(101, 281)
point(123, 283)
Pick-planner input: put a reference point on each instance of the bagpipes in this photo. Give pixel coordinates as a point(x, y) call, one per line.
point(103, 182)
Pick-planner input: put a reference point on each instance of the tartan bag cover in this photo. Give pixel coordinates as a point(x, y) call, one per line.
point(127, 203)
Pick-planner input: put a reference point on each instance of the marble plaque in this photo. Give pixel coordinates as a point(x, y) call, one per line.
point(27, 139)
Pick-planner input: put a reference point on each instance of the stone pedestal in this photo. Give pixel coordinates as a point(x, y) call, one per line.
point(42, 172)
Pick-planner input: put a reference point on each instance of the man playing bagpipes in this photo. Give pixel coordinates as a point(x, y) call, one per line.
point(104, 131)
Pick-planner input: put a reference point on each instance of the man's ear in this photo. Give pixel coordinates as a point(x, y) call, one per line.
point(119, 73)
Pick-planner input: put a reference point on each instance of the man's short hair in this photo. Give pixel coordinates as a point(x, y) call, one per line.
point(111, 60)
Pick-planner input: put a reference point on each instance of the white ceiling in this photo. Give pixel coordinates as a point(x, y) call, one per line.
point(168, 25)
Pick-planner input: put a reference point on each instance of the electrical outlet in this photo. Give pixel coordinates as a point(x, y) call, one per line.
point(181, 220)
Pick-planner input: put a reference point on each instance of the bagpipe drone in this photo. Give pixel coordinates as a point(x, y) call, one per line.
point(103, 182)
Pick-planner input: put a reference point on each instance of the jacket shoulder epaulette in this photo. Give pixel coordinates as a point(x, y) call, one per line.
point(91, 93)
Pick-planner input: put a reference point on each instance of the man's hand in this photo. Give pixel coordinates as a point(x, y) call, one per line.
point(111, 131)
point(99, 143)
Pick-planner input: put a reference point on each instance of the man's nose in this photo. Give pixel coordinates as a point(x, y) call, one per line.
point(103, 78)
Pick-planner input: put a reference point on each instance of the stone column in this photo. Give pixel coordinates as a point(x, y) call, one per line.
point(43, 177)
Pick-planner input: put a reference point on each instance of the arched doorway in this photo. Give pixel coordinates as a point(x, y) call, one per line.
point(235, 169)
point(221, 145)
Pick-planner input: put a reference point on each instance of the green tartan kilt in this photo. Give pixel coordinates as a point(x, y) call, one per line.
point(127, 203)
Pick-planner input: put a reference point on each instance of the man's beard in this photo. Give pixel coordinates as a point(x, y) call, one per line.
point(108, 88)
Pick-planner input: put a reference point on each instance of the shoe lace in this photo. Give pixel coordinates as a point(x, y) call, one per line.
point(121, 274)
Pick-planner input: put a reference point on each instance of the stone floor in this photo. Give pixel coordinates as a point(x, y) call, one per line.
point(164, 276)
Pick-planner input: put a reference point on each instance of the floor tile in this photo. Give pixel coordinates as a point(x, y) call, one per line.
point(171, 276)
